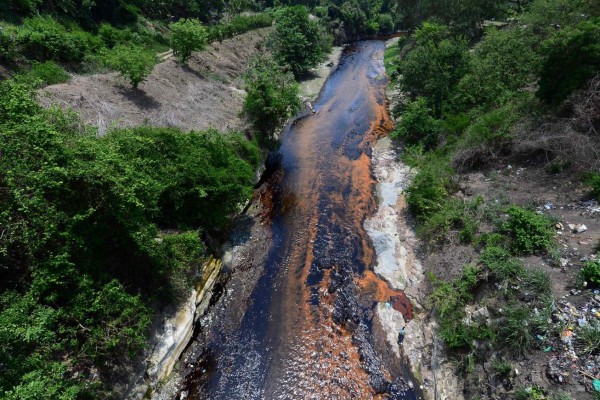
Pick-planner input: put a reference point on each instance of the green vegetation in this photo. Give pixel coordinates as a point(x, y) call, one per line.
point(96, 234)
point(530, 231)
point(473, 94)
point(47, 73)
point(134, 63)
point(590, 273)
point(272, 96)
point(295, 40)
point(238, 25)
point(187, 36)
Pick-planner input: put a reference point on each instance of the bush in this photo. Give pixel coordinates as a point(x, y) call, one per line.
point(593, 180)
point(386, 24)
point(590, 273)
point(501, 264)
point(417, 125)
point(239, 25)
point(516, 330)
point(48, 73)
point(588, 337)
point(530, 231)
point(430, 188)
point(272, 95)
point(295, 40)
point(113, 36)
point(573, 58)
point(458, 215)
point(43, 38)
point(187, 36)
point(134, 63)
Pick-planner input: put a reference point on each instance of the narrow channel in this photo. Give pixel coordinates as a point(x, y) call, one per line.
point(306, 329)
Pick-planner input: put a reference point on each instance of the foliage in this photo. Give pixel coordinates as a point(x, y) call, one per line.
point(82, 256)
point(435, 66)
point(272, 95)
point(429, 189)
point(502, 63)
point(593, 180)
point(590, 273)
point(385, 23)
point(456, 215)
point(187, 36)
point(503, 267)
point(573, 57)
point(417, 125)
point(133, 62)
point(516, 330)
point(295, 40)
point(588, 337)
point(449, 300)
point(239, 25)
point(47, 73)
point(530, 231)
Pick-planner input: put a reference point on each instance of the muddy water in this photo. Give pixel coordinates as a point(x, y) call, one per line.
point(306, 330)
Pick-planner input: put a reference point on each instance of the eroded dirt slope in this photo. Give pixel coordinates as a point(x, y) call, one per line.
point(202, 94)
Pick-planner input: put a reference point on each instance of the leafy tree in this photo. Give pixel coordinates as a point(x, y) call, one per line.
point(435, 66)
point(417, 125)
point(295, 40)
point(133, 62)
point(187, 35)
point(501, 64)
point(272, 95)
point(573, 58)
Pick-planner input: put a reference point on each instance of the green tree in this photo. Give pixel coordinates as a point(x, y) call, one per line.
point(187, 35)
point(272, 95)
point(133, 62)
point(295, 40)
point(573, 57)
point(435, 66)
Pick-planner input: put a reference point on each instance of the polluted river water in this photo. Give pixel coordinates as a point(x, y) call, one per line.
point(305, 328)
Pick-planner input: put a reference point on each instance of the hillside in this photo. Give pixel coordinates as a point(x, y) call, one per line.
point(206, 92)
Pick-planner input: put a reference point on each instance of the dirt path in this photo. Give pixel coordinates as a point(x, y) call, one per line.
point(204, 93)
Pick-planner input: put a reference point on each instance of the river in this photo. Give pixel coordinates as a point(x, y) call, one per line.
point(304, 330)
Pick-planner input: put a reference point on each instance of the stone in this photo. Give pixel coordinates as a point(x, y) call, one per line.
point(580, 228)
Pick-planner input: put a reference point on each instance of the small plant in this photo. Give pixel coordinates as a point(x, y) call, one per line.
point(590, 274)
point(418, 126)
point(48, 73)
point(133, 62)
point(561, 396)
point(529, 393)
point(537, 281)
point(515, 331)
point(501, 264)
point(501, 368)
point(589, 337)
point(187, 36)
point(530, 232)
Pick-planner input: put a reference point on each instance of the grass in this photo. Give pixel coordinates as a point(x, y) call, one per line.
point(589, 337)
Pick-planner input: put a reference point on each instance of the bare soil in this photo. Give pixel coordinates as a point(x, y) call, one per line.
point(565, 200)
point(204, 93)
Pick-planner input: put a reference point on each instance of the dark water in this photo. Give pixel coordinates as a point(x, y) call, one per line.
point(307, 329)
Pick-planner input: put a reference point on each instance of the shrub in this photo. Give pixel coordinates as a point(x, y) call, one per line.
point(295, 40)
point(573, 58)
point(428, 192)
point(502, 369)
point(417, 125)
point(593, 180)
point(588, 337)
point(501, 264)
point(133, 62)
point(272, 95)
point(47, 73)
point(187, 36)
point(458, 215)
point(43, 38)
point(239, 25)
point(113, 36)
point(516, 331)
point(530, 231)
point(590, 273)
point(386, 24)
